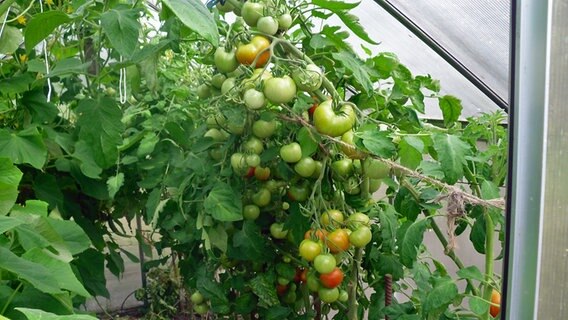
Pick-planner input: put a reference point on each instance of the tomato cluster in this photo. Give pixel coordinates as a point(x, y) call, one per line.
point(200, 305)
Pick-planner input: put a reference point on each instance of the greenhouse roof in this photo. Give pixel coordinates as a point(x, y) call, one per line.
point(475, 34)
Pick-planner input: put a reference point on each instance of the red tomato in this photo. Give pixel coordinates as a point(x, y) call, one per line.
point(332, 279)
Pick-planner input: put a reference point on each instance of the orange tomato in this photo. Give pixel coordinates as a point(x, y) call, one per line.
point(247, 53)
point(338, 240)
point(320, 234)
point(495, 299)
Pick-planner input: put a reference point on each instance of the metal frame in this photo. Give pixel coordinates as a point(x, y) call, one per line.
point(443, 53)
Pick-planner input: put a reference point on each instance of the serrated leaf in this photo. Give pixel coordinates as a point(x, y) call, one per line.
point(122, 27)
point(250, 244)
point(410, 151)
point(336, 5)
point(451, 108)
point(114, 183)
point(357, 68)
point(218, 237)
point(478, 305)
point(10, 40)
point(263, 287)
point(440, 297)
point(213, 291)
point(278, 312)
point(25, 146)
point(42, 25)
point(412, 240)
point(389, 223)
point(10, 177)
point(377, 142)
point(352, 22)
point(223, 204)
point(471, 272)
point(390, 264)
point(307, 141)
point(451, 152)
point(297, 223)
point(194, 15)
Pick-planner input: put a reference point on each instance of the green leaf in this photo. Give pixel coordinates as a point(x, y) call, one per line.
point(307, 141)
point(218, 237)
point(410, 151)
point(72, 235)
point(122, 27)
point(356, 66)
point(60, 270)
point(250, 244)
point(213, 291)
point(194, 15)
point(42, 25)
point(335, 5)
point(412, 241)
point(68, 66)
point(223, 204)
point(36, 274)
point(114, 183)
point(386, 63)
point(451, 154)
point(10, 40)
point(451, 108)
point(263, 287)
point(352, 22)
point(377, 142)
point(36, 102)
point(8, 223)
point(36, 314)
point(10, 177)
point(25, 146)
point(278, 312)
point(389, 223)
point(471, 272)
point(91, 268)
point(478, 305)
point(296, 223)
point(390, 264)
point(17, 84)
point(84, 153)
point(147, 144)
point(440, 297)
point(101, 127)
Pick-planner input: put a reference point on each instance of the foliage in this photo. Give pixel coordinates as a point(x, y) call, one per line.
point(177, 143)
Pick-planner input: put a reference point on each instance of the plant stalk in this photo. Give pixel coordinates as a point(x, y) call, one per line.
point(353, 305)
point(11, 298)
point(489, 237)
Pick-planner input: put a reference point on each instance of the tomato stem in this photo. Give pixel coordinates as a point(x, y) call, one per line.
point(489, 236)
point(353, 305)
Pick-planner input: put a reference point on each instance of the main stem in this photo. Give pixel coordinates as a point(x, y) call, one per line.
point(489, 237)
point(353, 283)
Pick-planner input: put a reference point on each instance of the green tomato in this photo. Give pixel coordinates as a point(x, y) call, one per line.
point(350, 151)
point(196, 298)
point(358, 219)
point(298, 193)
point(342, 168)
point(291, 153)
point(262, 197)
point(317, 171)
point(216, 154)
point(201, 308)
point(305, 167)
point(253, 160)
point(280, 90)
point(254, 145)
point(203, 91)
point(351, 186)
point(267, 25)
point(285, 21)
point(254, 99)
point(251, 12)
point(277, 231)
point(290, 296)
point(343, 296)
point(283, 281)
point(274, 185)
point(216, 134)
point(361, 237)
point(227, 7)
point(374, 185)
point(309, 249)
point(308, 79)
point(251, 212)
point(330, 123)
point(262, 173)
point(332, 217)
point(228, 85)
point(238, 162)
point(325, 263)
point(236, 129)
point(259, 75)
point(328, 295)
point(375, 169)
point(313, 283)
point(225, 61)
point(264, 129)
point(216, 121)
point(218, 79)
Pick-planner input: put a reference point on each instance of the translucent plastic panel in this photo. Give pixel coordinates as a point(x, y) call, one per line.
point(476, 32)
point(419, 58)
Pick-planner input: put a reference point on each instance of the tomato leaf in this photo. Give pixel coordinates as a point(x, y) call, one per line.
point(440, 297)
point(114, 183)
point(307, 142)
point(223, 204)
point(263, 286)
point(10, 177)
point(356, 66)
point(278, 312)
point(385, 63)
point(377, 142)
point(405, 203)
point(249, 244)
point(42, 25)
point(122, 27)
point(352, 22)
point(390, 264)
point(213, 291)
point(25, 146)
point(451, 109)
point(412, 241)
point(194, 15)
point(335, 5)
point(410, 151)
point(389, 223)
point(471, 272)
point(451, 154)
point(478, 305)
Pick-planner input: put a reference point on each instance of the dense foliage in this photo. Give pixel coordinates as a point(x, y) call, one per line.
point(252, 138)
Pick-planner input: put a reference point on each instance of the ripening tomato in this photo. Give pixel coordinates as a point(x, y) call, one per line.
point(332, 279)
point(262, 173)
point(360, 237)
point(309, 249)
point(281, 289)
point(338, 240)
point(328, 122)
point(318, 234)
point(325, 263)
point(268, 25)
point(257, 48)
point(225, 61)
point(251, 12)
point(332, 217)
point(280, 89)
point(495, 299)
point(328, 295)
